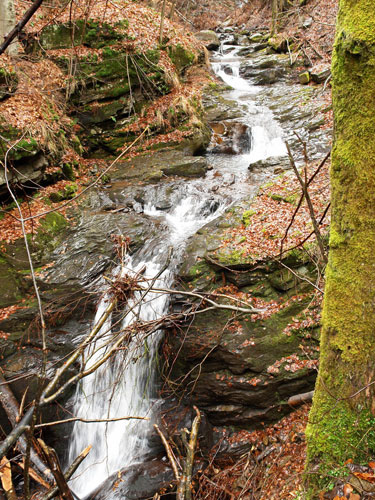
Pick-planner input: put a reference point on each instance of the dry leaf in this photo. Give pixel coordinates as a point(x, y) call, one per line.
point(365, 476)
point(348, 488)
point(354, 496)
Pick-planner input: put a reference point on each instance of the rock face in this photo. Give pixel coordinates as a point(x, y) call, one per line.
point(242, 370)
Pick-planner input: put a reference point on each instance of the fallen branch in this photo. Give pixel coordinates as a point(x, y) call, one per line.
point(88, 421)
point(54, 464)
point(10, 405)
point(69, 473)
point(300, 399)
point(188, 469)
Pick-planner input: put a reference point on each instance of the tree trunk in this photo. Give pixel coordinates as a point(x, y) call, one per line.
point(7, 22)
point(341, 424)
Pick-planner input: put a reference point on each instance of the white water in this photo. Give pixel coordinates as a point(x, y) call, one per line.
point(126, 385)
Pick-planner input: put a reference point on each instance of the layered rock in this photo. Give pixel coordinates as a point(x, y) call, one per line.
point(241, 369)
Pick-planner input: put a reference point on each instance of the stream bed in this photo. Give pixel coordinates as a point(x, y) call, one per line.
point(164, 203)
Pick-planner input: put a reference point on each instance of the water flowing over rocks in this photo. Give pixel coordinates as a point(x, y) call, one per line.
point(184, 197)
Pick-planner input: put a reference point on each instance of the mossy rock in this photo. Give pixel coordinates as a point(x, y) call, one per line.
point(12, 288)
point(25, 148)
point(47, 237)
point(94, 34)
point(67, 193)
point(115, 74)
point(304, 78)
point(278, 43)
point(181, 57)
point(8, 82)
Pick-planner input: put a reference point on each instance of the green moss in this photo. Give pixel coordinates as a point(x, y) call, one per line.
point(232, 257)
point(68, 171)
point(94, 34)
point(50, 228)
point(67, 193)
point(246, 216)
point(24, 149)
point(181, 57)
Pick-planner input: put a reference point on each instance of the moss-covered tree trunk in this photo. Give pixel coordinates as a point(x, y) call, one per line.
point(342, 420)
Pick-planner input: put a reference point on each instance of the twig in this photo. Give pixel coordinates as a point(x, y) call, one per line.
point(169, 451)
point(88, 421)
point(304, 186)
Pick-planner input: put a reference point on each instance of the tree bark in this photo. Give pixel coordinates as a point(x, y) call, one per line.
point(7, 22)
point(341, 424)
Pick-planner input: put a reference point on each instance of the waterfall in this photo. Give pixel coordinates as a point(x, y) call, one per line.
point(127, 385)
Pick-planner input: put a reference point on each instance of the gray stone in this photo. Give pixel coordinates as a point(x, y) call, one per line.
point(320, 73)
point(209, 38)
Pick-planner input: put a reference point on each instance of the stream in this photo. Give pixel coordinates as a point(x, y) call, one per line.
point(128, 384)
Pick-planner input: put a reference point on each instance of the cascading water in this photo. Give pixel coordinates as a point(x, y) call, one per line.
point(127, 385)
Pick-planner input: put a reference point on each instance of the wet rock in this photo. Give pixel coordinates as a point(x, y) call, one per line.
point(232, 39)
point(234, 379)
point(189, 167)
point(230, 137)
point(273, 161)
point(245, 51)
point(218, 108)
point(176, 416)
point(265, 70)
point(152, 168)
point(209, 38)
point(137, 482)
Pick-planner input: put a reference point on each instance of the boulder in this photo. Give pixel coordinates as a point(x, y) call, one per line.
point(258, 37)
point(137, 482)
point(265, 69)
point(278, 43)
point(272, 161)
point(320, 73)
point(209, 38)
point(304, 78)
point(243, 40)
